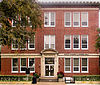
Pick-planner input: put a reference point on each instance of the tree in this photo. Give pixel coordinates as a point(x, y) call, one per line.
point(23, 14)
point(98, 40)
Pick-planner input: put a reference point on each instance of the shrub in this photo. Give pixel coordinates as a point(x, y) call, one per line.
point(60, 74)
point(36, 75)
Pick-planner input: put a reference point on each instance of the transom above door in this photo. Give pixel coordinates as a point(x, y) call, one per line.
point(49, 67)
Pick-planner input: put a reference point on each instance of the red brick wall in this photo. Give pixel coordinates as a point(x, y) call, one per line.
point(6, 66)
point(59, 31)
point(93, 67)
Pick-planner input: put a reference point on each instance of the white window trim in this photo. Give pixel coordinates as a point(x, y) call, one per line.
point(87, 43)
point(24, 66)
point(64, 43)
point(65, 19)
point(79, 19)
point(65, 66)
point(12, 67)
point(77, 66)
point(49, 41)
point(29, 44)
point(87, 19)
point(83, 66)
point(13, 48)
point(50, 19)
point(29, 66)
point(73, 43)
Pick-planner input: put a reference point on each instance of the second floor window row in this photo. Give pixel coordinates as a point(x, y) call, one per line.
point(71, 19)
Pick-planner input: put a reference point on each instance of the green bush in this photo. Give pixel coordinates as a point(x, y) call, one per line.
point(36, 75)
point(87, 78)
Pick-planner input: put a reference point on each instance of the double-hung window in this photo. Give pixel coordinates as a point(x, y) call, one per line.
point(23, 65)
point(14, 45)
point(76, 65)
point(84, 19)
point(67, 41)
point(84, 68)
point(49, 41)
point(76, 19)
point(14, 65)
point(84, 42)
point(31, 64)
point(76, 42)
point(49, 19)
point(67, 19)
point(67, 65)
point(31, 44)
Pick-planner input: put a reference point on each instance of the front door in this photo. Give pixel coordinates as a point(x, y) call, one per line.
point(49, 67)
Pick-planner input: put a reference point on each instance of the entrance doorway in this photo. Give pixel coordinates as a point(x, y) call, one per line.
point(49, 67)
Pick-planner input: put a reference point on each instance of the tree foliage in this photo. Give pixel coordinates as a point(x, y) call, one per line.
point(98, 40)
point(25, 13)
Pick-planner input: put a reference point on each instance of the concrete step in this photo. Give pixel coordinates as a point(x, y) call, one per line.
point(44, 79)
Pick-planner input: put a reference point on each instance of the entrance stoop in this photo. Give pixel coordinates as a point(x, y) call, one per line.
point(48, 79)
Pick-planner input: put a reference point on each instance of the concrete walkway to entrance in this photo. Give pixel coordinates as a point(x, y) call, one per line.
point(43, 83)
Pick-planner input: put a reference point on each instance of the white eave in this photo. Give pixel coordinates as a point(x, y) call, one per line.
point(58, 2)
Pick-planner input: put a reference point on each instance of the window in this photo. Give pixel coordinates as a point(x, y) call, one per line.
point(84, 65)
point(67, 19)
point(84, 42)
point(49, 41)
point(76, 65)
point(14, 45)
point(76, 42)
point(67, 65)
point(15, 65)
point(76, 19)
point(67, 42)
point(31, 44)
point(84, 19)
point(31, 64)
point(49, 19)
point(23, 65)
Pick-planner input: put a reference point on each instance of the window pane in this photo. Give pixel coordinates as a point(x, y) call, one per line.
point(52, 18)
point(67, 68)
point(84, 18)
point(46, 18)
point(31, 64)
point(15, 44)
point(67, 19)
point(76, 61)
point(76, 19)
point(76, 41)
point(76, 68)
point(84, 68)
point(15, 64)
point(67, 41)
point(84, 61)
point(31, 43)
point(84, 41)
point(67, 61)
point(23, 62)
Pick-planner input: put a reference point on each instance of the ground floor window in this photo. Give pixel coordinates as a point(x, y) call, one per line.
point(15, 65)
point(76, 65)
point(31, 64)
point(23, 65)
point(84, 65)
point(67, 65)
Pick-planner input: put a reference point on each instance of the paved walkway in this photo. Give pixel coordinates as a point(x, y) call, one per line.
point(46, 83)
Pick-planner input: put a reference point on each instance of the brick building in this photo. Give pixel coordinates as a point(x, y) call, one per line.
point(65, 43)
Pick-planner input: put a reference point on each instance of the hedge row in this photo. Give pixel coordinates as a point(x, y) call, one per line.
point(87, 78)
point(14, 78)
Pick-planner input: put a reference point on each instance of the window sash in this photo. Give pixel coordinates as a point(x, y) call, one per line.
point(14, 66)
point(76, 68)
point(84, 19)
point(67, 19)
point(67, 44)
point(67, 66)
point(76, 42)
point(85, 67)
point(84, 42)
point(23, 66)
point(14, 45)
point(49, 19)
point(32, 68)
point(31, 44)
point(49, 41)
point(76, 19)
